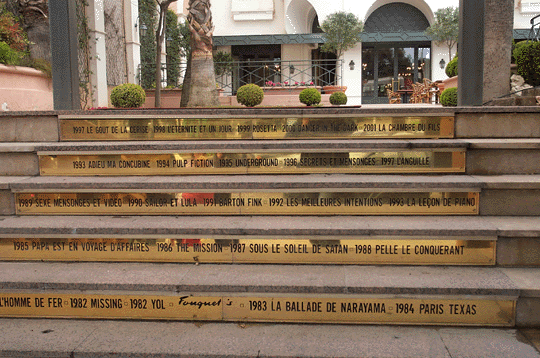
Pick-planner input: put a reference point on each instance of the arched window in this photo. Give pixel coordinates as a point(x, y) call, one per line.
point(396, 17)
point(396, 53)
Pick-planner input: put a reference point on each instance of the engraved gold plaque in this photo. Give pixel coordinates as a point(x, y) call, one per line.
point(269, 308)
point(372, 310)
point(417, 161)
point(236, 249)
point(250, 203)
point(83, 128)
point(181, 307)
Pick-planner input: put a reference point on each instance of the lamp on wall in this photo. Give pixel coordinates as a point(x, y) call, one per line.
point(351, 65)
point(291, 69)
point(143, 27)
point(442, 63)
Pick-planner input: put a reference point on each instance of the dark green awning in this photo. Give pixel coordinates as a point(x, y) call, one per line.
point(373, 37)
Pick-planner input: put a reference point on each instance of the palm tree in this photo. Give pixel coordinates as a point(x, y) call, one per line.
point(199, 89)
point(35, 14)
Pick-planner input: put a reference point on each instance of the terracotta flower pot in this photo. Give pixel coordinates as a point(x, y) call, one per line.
point(333, 89)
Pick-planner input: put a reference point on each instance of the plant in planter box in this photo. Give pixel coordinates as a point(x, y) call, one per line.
point(342, 32)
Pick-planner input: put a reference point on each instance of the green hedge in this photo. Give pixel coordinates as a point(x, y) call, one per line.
point(128, 95)
point(9, 56)
point(528, 62)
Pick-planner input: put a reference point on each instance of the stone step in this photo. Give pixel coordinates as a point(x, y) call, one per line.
point(38, 338)
point(233, 157)
point(337, 194)
point(523, 100)
point(470, 122)
point(472, 156)
point(276, 293)
point(504, 241)
point(497, 122)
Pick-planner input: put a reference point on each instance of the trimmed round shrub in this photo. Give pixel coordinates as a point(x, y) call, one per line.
point(250, 95)
point(338, 98)
point(452, 67)
point(128, 95)
point(310, 96)
point(528, 62)
point(449, 97)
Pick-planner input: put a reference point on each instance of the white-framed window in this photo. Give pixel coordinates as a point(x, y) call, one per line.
point(249, 10)
point(530, 6)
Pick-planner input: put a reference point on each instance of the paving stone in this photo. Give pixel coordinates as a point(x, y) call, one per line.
point(481, 343)
point(84, 339)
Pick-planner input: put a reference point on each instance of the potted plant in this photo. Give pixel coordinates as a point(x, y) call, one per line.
point(223, 63)
point(342, 32)
point(25, 82)
point(223, 67)
point(445, 31)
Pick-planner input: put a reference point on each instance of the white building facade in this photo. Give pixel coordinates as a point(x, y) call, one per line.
point(283, 37)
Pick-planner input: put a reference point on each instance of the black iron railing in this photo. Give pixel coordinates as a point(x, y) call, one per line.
point(271, 73)
point(534, 33)
point(287, 74)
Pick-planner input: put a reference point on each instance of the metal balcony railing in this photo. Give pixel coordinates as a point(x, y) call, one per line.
point(262, 73)
point(281, 73)
point(534, 33)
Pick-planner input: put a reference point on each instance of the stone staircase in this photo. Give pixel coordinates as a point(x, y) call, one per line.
point(227, 227)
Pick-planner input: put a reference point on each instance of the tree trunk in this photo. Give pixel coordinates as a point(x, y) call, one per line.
point(35, 15)
point(160, 35)
point(201, 88)
point(184, 100)
point(159, 39)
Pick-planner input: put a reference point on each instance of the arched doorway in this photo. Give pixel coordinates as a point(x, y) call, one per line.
point(400, 62)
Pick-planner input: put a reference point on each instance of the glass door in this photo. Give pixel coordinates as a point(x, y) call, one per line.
point(391, 67)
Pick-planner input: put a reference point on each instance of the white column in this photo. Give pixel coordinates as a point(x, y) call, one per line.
point(353, 78)
point(97, 55)
point(133, 44)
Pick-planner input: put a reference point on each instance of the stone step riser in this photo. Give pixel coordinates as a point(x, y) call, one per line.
point(260, 307)
point(476, 161)
point(484, 122)
point(342, 250)
point(491, 202)
point(253, 293)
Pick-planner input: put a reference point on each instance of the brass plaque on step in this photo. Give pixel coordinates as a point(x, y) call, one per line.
point(249, 203)
point(263, 308)
point(105, 128)
point(237, 249)
point(418, 161)
point(174, 307)
point(372, 310)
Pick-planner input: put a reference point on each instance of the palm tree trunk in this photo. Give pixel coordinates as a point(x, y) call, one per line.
point(35, 14)
point(201, 89)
